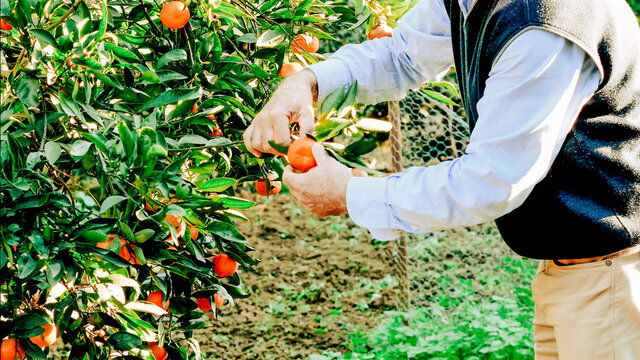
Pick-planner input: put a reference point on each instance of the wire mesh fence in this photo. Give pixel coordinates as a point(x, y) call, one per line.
point(439, 262)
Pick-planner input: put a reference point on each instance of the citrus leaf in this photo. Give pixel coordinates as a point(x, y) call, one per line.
point(45, 38)
point(79, 148)
point(439, 97)
point(121, 52)
point(332, 101)
point(173, 55)
point(146, 306)
point(52, 151)
point(235, 203)
point(217, 185)
point(270, 38)
point(173, 96)
point(125, 341)
point(111, 201)
point(226, 231)
point(374, 125)
point(279, 148)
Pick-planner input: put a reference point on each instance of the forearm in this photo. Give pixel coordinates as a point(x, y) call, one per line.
point(418, 51)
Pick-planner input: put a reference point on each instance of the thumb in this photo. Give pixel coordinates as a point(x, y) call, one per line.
point(321, 155)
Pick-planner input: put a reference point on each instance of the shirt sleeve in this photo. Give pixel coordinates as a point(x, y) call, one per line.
point(419, 50)
point(532, 98)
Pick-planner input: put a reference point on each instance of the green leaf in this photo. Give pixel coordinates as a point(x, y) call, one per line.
point(173, 96)
point(173, 55)
point(217, 184)
point(350, 98)
point(27, 89)
point(107, 79)
point(192, 140)
point(439, 97)
point(147, 307)
point(121, 52)
point(124, 341)
point(270, 38)
point(79, 148)
point(374, 125)
point(226, 231)
point(127, 138)
point(165, 76)
point(111, 201)
point(52, 151)
point(279, 148)
point(332, 101)
point(45, 38)
point(235, 202)
point(98, 140)
point(248, 38)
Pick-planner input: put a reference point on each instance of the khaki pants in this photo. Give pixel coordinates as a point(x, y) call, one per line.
point(588, 311)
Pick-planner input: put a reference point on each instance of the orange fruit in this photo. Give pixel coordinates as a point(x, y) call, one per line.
point(195, 107)
point(151, 207)
point(48, 337)
point(11, 350)
point(290, 68)
point(175, 15)
point(159, 353)
point(204, 304)
point(300, 155)
point(380, 31)
point(125, 248)
point(193, 231)
point(224, 265)
point(276, 186)
point(173, 220)
point(218, 300)
point(306, 43)
point(157, 298)
point(5, 25)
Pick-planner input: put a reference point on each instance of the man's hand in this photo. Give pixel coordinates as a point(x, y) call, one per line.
point(323, 189)
point(291, 102)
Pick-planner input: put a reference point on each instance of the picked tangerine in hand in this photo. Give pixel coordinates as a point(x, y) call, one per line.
point(300, 155)
point(175, 15)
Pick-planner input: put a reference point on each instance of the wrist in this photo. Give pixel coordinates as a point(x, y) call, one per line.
point(312, 81)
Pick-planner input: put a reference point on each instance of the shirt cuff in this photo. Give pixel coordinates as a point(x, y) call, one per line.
point(330, 75)
point(367, 206)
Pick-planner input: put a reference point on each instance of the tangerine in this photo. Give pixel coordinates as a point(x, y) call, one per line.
point(224, 265)
point(306, 43)
point(11, 350)
point(157, 298)
point(218, 300)
point(159, 353)
point(5, 25)
point(193, 231)
point(175, 15)
point(125, 248)
point(300, 155)
point(195, 107)
point(204, 304)
point(276, 186)
point(290, 68)
point(380, 31)
point(48, 337)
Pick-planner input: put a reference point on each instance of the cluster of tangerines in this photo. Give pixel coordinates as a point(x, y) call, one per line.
point(12, 350)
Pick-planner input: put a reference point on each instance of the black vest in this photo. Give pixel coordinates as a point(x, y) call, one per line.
point(589, 203)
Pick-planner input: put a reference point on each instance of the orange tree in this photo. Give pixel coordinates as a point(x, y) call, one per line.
point(121, 148)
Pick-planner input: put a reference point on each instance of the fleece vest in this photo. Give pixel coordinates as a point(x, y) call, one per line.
point(589, 202)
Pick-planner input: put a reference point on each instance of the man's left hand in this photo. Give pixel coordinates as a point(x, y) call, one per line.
point(323, 189)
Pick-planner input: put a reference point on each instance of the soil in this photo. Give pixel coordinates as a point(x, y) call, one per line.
point(319, 281)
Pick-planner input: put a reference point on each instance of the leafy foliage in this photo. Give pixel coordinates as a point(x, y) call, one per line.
point(121, 151)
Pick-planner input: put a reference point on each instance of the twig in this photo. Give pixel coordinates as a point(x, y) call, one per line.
point(65, 16)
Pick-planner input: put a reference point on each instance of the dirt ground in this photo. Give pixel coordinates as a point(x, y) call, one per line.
point(319, 280)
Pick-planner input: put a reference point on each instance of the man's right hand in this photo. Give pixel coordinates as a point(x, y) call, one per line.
point(291, 102)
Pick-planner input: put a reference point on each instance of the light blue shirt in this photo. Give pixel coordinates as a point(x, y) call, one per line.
point(533, 96)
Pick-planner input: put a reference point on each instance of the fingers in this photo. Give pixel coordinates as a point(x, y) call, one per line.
point(280, 121)
point(248, 141)
point(291, 179)
point(321, 155)
point(306, 121)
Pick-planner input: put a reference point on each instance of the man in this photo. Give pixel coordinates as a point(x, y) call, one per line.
point(552, 93)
